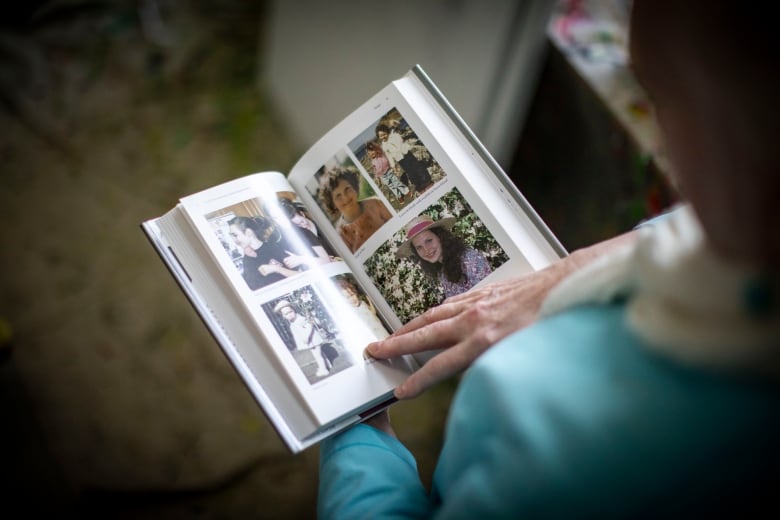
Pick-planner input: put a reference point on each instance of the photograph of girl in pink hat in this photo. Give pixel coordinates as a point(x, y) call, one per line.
point(443, 250)
point(442, 256)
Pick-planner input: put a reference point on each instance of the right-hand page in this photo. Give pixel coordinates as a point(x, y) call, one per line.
point(416, 205)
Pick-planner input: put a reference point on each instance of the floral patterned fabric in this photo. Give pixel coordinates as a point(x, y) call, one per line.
point(475, 267)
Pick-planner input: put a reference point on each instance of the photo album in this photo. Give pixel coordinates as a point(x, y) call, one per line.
point(395, 209)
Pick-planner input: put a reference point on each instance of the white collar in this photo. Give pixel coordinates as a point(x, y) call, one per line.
point(682, 299)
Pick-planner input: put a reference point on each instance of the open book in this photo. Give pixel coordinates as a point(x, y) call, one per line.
point(393, 210)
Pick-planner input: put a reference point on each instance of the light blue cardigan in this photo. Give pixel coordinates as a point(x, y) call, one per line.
point(573, 417)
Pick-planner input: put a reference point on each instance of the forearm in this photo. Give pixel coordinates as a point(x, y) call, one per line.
point(365, 473)
point(582, 257)
point(548, 278)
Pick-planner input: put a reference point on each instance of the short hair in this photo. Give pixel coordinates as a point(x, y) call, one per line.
point(258, 225)
point(288, 207)
point(382, 127)
point(330, 179)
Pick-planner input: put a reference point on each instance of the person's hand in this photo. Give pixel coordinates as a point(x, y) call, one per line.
point(267, 269)
point(292, 261)
point(466, 325)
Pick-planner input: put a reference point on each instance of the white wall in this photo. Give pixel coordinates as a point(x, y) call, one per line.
point(326, 58)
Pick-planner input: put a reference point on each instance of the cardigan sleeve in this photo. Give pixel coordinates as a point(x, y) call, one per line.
point(365, 473)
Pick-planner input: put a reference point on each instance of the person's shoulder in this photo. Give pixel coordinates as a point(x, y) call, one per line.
point(585, 355)
point(582, 390)
point(372, 203)
point(574, 341)
point(580, 357)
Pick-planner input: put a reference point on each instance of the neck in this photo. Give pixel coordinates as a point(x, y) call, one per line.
point(352, 213)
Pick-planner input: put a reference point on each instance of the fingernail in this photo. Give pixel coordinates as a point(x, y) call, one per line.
point(399, 392)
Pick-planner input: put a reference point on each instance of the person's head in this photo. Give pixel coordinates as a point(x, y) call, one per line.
point(285, 309)
point(373, 149)
point(427, 246)
point(382, 131)
point(349, 291)
point(293, 212)
point(288, 207)
point(434, 247)
point(424, 238)
point(248, 232)
point(255, 229)
point(711, 71)
point(339, 191)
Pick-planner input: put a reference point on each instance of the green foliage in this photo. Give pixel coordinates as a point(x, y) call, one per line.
point(402, 283)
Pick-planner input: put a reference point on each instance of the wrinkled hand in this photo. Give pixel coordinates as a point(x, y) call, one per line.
point(466, 325)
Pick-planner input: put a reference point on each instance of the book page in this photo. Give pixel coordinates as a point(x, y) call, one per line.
point(302, 296)
point(222, 312)
point(411, 205)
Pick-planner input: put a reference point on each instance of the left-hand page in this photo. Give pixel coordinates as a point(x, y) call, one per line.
point(301, 297)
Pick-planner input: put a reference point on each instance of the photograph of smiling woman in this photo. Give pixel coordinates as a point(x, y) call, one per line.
point(357, 219)
point(442, 256)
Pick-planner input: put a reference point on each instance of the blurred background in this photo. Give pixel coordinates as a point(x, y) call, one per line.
point(114, 398)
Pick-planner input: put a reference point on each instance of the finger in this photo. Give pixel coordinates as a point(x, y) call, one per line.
point(438, 368)
point(436, 314)
point(437, 335)
point(451, 307)
point(447, 330)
